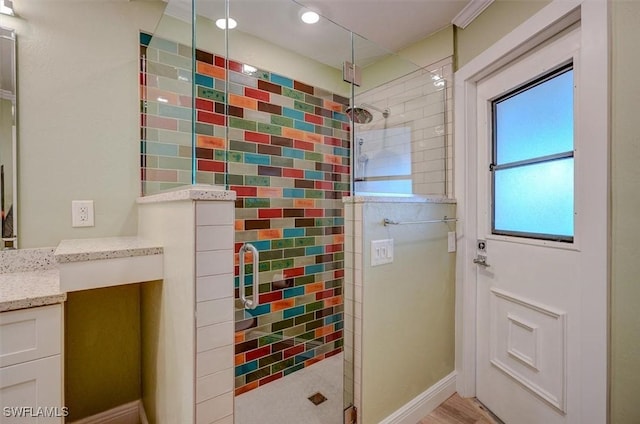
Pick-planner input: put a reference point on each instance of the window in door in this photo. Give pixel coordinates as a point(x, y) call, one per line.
point(532, 163)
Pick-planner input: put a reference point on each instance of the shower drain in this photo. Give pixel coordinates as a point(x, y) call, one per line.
point(317, 398)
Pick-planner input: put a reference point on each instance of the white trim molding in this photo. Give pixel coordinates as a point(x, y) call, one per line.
point(553, 394)
point(471, 11)
point(593, 18)
point(422, 405)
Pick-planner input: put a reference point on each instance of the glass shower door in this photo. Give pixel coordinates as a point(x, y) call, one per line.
point(271, 94)
point(400, 151)
point(263, 109)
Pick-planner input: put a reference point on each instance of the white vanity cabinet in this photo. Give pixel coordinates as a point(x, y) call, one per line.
point(31, 365)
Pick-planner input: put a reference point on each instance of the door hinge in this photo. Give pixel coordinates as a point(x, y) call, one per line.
point(351, 415)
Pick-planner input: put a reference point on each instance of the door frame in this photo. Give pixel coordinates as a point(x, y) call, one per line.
point(594, 108)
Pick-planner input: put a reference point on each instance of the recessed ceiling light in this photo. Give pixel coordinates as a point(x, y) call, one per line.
point(310, 17)
point(222, 23)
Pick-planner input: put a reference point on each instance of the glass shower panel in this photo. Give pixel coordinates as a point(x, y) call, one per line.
point(400, 124)
point(166, 139)
point(398, 119)
point(210, 92)
point(289, 163)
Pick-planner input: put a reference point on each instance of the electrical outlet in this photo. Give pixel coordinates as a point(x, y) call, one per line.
point(82, 213)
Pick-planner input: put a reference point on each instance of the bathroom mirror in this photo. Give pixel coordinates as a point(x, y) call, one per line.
point(8, 139)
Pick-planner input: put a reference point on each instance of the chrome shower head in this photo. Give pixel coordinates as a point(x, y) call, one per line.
point(359, 115)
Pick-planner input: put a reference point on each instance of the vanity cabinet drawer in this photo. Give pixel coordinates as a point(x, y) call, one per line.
point(29, 334)
point(32, 392)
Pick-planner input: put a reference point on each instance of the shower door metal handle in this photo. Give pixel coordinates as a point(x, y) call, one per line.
point(248, 303)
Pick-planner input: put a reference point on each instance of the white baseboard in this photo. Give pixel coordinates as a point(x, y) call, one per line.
point(129, 413)
point(142, 414)
point(424, 403)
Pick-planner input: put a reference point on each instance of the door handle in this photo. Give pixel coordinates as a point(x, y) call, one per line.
point(247, 303)
point(482, 261)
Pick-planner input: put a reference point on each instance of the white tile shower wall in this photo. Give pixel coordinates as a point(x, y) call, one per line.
point(206, 214)
point(214, 360)
point(213, 336)
point(422, 100)
point(213, 385)
point(214, 312)
point(349, 364)
point(349, 359)
point(357, 327)
point(214, 237)
point(216, 410)
point(212, 287)
point(213, 262)
point(353, 300)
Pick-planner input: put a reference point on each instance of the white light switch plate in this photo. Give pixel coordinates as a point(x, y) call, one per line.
point(451, 239)
point(381, 252)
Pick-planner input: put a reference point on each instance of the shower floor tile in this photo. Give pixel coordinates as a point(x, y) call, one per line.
point(286, 401)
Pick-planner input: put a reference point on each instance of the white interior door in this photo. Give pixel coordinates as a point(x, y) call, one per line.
point(536, 272)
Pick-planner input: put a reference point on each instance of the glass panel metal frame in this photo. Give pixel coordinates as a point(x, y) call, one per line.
point(495, 167)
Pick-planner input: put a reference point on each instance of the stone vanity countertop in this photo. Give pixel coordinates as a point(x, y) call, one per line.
point(80, 250)
point(31, 277)
point(192, 192)
point(19, 290)
point(22, 260)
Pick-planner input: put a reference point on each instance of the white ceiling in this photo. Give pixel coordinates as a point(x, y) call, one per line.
point(391, 24)
point(385, 25)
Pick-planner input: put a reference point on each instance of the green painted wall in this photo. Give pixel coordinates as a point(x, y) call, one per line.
point(78, 112)
point(102, 349)
point(408, 307)
point(436, 47)
point(625, 175)
point(499, 19)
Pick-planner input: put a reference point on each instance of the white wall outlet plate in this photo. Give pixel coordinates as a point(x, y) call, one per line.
point(82, 213)
point(381, 252)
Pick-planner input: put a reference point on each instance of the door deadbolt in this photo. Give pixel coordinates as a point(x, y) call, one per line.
point(482, 245)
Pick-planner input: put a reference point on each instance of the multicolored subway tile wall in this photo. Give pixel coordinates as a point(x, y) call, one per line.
point(286, 154)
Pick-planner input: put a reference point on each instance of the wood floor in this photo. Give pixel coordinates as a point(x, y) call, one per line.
point(457, 410)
